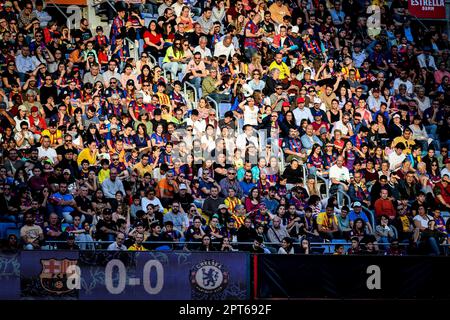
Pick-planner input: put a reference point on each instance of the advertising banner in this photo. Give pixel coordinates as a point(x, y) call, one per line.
point(9, 276)
point(352, 277)
point(427, 9)
point(124, 275)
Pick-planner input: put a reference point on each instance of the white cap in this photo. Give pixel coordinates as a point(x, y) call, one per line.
point(295, 29)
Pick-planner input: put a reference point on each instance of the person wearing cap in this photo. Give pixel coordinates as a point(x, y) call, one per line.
point(32, 102)
point(358, 213)
point(301, 112)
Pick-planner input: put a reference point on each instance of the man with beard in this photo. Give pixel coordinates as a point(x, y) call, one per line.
point(32, 161)
point(13, 162)
point(178, 217)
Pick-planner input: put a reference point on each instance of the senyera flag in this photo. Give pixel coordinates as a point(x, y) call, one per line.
point(427, 9)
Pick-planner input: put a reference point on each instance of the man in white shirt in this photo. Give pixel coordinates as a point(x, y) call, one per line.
point(245, 138)
point(301, 112)
point(397, 157)
point(198, 124)
point(344, 126)
point(224, 47)
point(118, 244)
point(110, 73)
point(204, 51)
point(403, 80)
point(45, 152)
point(339, 177)
point(111, 185)
point(178, 7)
point(153, 200)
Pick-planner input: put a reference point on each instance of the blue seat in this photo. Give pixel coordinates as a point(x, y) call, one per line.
point(163, 248)
point(4, 226)
point(224, 107)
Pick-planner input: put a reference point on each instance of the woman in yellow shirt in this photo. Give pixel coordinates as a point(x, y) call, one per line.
point(89, 154)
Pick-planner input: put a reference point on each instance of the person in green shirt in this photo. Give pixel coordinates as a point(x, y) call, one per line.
point(175, 60)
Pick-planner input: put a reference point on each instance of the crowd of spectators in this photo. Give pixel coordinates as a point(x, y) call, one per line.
point(303, 126)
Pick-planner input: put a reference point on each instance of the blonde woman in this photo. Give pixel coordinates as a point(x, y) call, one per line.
point(255, 64)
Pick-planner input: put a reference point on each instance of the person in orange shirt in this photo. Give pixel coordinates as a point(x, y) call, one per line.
point(166, 189)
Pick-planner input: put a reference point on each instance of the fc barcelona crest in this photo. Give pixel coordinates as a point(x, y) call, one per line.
point(54, 275)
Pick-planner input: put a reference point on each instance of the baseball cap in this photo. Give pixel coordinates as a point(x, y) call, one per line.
point(113, 127)
point(396, 115)
point(300, 100)
point(295, 29)
point(357, 204)
point(286, 104)
point(139, 95)
point(90, 54)
point(317, 100)
point(66, 171)
point(307, 70)
point(34, 109)
point(222, 206)
point(52, 123)
point(99, 28)
point(323, 130)
point(183, 186)
point(22, 108)
point(8, 4)
point(130, 81)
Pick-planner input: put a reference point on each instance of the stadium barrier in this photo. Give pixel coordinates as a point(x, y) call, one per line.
point(182, 275)
point(351, 277)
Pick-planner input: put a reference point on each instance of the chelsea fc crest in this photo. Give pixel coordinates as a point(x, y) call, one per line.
point(209, 276)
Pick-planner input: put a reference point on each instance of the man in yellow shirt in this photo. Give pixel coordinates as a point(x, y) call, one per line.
point(143, 166)
point(55, 135)
point(280, 65)
point(137, 246)
point(89, 154)
point(406, 139)
point(328, 224)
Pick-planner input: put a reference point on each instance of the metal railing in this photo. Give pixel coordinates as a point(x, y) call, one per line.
point(191, 86)
point(216, 105)
point(326, 182)
point(316, 247)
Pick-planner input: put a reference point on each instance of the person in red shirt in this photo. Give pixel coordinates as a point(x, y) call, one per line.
point(384, 206)
point(442, 193)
